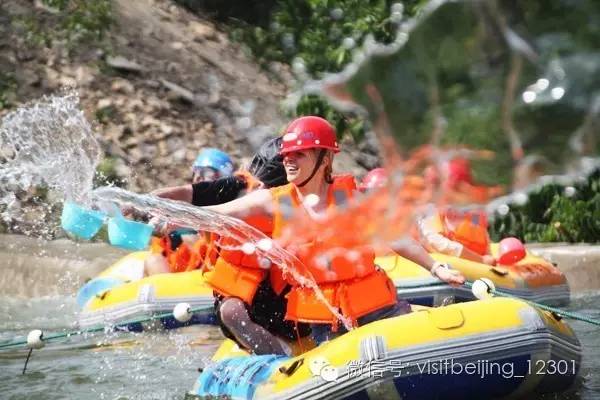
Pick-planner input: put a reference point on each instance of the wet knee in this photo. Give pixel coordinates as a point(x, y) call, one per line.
point(155, 264)
point(233, 311)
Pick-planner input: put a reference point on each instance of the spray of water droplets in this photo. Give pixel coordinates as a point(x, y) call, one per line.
point(49, 142)
point(47, 152)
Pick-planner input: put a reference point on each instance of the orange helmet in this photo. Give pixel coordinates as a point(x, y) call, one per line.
point(309, 133)
point(375, 178)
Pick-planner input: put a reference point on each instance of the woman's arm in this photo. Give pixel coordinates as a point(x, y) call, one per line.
point(413, 251)
point(435, 241)
point(181, 193)
point(259, 201)
point(472, 256)
point(431, 237)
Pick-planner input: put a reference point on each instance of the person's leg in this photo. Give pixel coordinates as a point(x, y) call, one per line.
point(156, 264)
point(322, 332)
point(268, 310)
point(400, 308)
point(234, 315)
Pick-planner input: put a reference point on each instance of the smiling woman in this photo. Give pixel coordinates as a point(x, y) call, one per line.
point(303, 165)
point(308, 148)
point(322, 293)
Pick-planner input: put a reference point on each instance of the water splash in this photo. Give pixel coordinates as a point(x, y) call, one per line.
point(48, 152)
point(49, 142)
point(482, 73)
point(475, 73)
point(185, 215)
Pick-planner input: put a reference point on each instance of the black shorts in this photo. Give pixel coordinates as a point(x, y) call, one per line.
point(268, 311)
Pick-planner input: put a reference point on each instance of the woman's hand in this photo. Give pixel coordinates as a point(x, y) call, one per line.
point(131, 212)
point(448, 275)
point(489, 260)
point(162, 227)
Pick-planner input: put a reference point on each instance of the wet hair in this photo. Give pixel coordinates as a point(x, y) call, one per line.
point(267, 164)
point(329, 174)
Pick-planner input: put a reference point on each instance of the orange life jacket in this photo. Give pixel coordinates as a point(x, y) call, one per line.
point(352, 298)
point(277, 279)
point(184, 258)
point(235, 273)
point(231, 280)
point(180, 258)
point(158, 245)
point(468, 228)
point(350, 281)
point(204, 252)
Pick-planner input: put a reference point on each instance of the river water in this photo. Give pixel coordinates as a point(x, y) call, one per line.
point(159, 365)
point(415, 91)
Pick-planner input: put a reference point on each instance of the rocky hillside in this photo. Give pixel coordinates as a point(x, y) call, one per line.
point(159, 85)
point(162, 85)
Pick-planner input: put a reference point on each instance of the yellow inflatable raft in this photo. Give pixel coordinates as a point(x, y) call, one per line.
point(452, 352)
point(127, 295)
point(121, 293)
point(533, 278)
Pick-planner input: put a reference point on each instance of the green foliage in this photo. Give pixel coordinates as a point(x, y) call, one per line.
point(321, 33)
point(8, 86)
point(84, 20)
point(474, 124)
point(552, 214)
point(317, 37)
point(315, 105)
point(33, 33)
point(470, 66)
point(74, 21)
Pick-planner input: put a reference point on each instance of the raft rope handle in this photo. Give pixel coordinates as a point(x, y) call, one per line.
point(116, 327)
point(554, 310)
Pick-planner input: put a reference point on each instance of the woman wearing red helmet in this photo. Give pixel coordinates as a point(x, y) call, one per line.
point(308, 148)
point(374, 179)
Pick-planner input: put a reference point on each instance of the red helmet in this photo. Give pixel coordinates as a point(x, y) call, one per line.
point(309, 133)
point(511, 251)
point(375, 178)
point(459, 170)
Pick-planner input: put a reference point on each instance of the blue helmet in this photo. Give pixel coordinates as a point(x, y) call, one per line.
point(216, 159)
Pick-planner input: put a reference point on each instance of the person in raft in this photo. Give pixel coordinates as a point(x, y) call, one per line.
point(184, 249)
point(444, 229)
point(210, 165)
point(456, 233)
point(265, 170)
point(308, 148)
